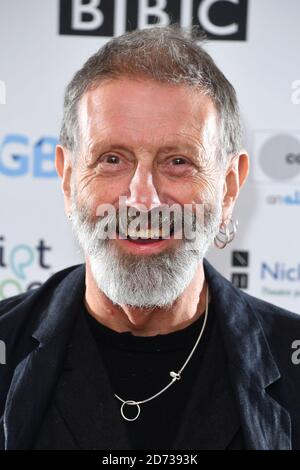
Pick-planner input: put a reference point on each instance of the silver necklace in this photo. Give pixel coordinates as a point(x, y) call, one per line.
point(175, 375)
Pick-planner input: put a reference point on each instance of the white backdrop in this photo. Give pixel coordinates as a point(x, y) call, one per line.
point(36, 63)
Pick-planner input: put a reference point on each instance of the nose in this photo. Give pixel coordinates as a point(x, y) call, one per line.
point(142, 189)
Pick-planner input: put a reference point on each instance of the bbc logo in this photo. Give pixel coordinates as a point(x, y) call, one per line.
point(226, 20)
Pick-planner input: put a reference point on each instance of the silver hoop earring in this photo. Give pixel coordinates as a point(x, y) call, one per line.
point(70, 216)
point(226, 233)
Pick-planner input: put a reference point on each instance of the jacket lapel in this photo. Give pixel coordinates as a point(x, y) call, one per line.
point(266, 424)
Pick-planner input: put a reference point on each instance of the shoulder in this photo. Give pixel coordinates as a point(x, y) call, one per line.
point(17, 306)
point(11, 302)
point(243, 312)
point(266, 312)
point(281, 326)
point(270, 314)
point(281, 329)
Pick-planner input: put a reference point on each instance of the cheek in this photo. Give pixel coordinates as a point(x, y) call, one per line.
point(201, 189)
point(94, 190)
point(212, 183)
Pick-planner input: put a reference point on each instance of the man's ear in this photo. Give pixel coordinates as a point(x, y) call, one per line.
point(64, 168)
point(236, 175)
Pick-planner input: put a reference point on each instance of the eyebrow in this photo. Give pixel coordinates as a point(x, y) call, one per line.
point(108, 145)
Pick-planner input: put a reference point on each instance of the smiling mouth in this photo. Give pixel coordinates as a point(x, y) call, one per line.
point(147, 235)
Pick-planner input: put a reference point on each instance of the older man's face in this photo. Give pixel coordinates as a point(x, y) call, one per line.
point(152, 143)
point(155, 145)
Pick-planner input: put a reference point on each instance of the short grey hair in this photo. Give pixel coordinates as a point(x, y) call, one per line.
point(167, 54)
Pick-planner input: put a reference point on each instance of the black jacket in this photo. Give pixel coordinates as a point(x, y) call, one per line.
point(36, 329)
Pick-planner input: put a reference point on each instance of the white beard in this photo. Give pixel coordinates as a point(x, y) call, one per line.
point(142, 281)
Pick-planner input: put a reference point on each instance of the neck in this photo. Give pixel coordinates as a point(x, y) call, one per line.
point(144, 321)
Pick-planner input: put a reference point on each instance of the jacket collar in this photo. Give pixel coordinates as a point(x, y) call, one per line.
point(265, 423)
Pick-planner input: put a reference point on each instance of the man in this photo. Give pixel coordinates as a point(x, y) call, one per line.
point(146, 346)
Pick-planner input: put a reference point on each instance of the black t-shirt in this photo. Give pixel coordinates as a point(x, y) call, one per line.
point(139, 367)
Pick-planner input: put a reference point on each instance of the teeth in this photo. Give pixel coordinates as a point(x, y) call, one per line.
point(165, 231)
point(143, 233)
point(148, 233)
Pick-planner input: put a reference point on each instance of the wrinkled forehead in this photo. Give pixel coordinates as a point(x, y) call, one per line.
point(145, 111)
